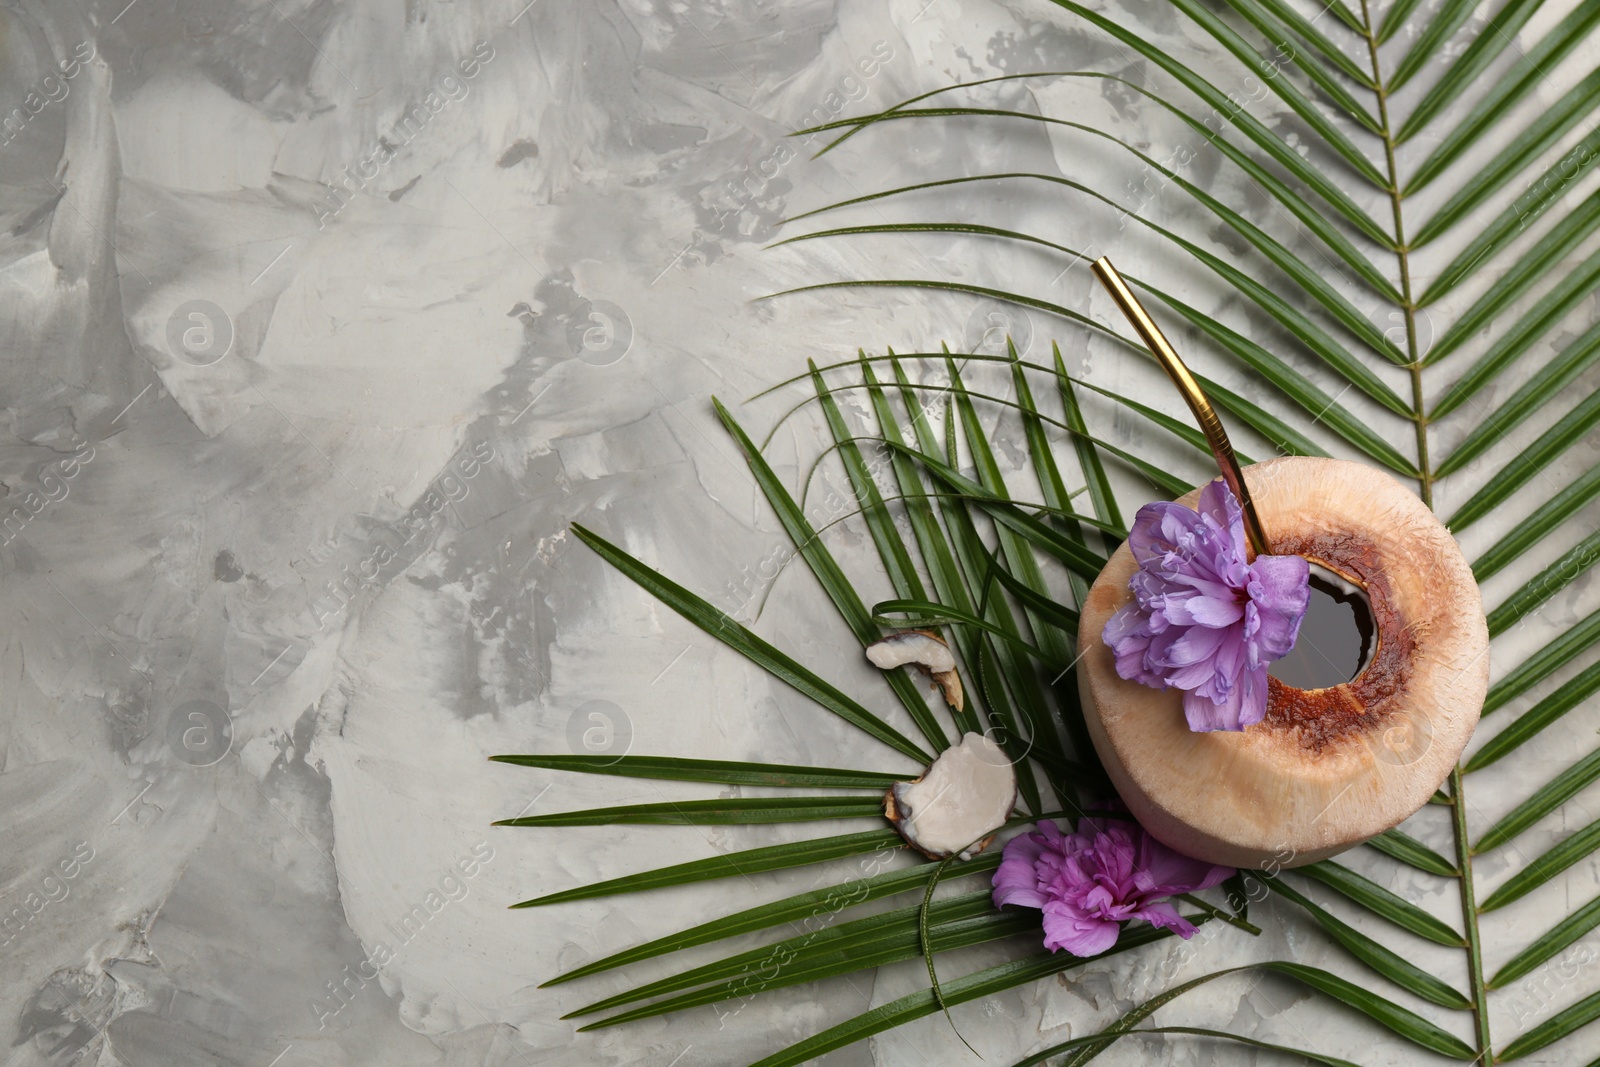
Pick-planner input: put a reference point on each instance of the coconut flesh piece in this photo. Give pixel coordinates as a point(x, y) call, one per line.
point(925, 649)
point(959, 802)
point(1326, 768)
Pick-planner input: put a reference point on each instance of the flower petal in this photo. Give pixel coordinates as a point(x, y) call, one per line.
point(1187, 647)
point(1128, 635)
point(1159, 527)
point(1204, 609)
point(1205, 714)
point(1165, 871)
point(1163, 914)
point(1016, 880)
point(1218, 504)
point(1280, 590)
point(1252, 690)
point(1079, 934)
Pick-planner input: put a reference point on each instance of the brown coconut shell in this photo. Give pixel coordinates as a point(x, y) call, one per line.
point(1326, 768)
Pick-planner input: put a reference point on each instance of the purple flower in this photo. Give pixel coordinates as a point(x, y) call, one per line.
point(1203, 619)
point(1088, 882)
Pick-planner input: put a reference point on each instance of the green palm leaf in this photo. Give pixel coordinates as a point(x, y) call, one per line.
point(832, 578)
point(1558, 937)
point(1262, 15)
point(719, 812)
point(1490, 42)
point(1554, 1029)
point(741, 639)
point(1533, 396)
point(897, 930)
point(1384, 961)
point(1504, 94)
point(1399, 15)
point(1549, 515)
point(745, 863)
point(1573, 850)
point(1537, 718)
point(1285, 90)
point(1405, 1023)
point(983, 983)
point(1013, 703)
point(1550, 581)
point(1535, 458)
point(1538, 321)
point(1270, 143)
point(1408, 849)
point(1540, 260)
point(800, 907)
point(1438, 30)
point(1550, 796)
point(1193, 1031)
point(1101, 496)
point(1540, 135)
point(1380, 901)
point(1552, 657)
point(812, 967)
point(891, 549)
point(721, 772)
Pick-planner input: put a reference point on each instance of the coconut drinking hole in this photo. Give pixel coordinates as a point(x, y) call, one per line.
point(1335, 641)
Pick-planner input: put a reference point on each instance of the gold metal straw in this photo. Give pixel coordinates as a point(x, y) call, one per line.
point(1204, 413)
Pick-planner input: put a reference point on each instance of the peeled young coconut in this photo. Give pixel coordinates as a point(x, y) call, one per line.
point(1326, 768)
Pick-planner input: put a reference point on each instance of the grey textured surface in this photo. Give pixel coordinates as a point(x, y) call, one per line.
point(346, 311)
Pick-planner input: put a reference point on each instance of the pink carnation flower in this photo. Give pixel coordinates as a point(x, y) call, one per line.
point(1202, 619)
point(1089, 882)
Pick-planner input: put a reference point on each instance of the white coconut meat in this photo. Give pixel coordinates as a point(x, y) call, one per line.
point(957, 805)
point(923, 649)
point(912, 646)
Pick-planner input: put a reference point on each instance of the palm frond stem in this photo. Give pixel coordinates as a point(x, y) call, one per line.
point(1477, 979)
